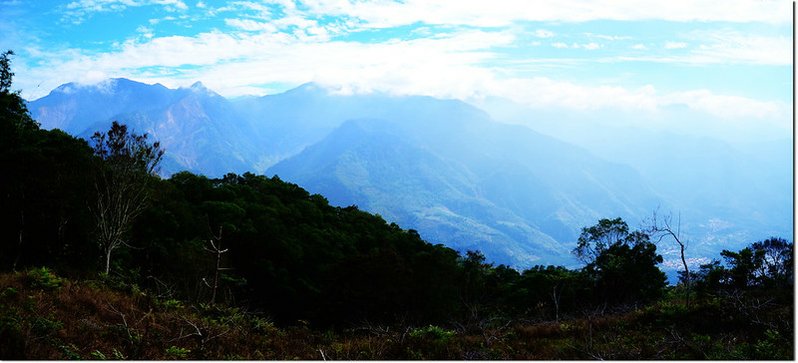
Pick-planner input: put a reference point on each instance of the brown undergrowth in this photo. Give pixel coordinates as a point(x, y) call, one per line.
point(43, 316)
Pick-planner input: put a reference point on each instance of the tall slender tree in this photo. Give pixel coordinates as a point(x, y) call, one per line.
point(127, 162)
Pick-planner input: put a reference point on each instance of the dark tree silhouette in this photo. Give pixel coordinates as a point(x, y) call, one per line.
point(596, 239)
point(129, 161)
point(776, 261)
point(766, 263)
point(6, 75)
point(622, 264)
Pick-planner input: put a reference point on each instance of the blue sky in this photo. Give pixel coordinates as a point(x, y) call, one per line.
point(728, 59)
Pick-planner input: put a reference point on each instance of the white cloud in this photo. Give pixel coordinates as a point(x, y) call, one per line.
point(692, 262)
point(547, 92)
point(453, 64)
point(263, 11)
point(591, 46)
point(145, 31)
point(447, 67)
point(608, 37)
point(646, 102)
point(251, 25)
point(171, 4)
point(587, 46)
point(386, 13)
point(230, 61)
point(675, 45)
point(542, 33)
point(723, 47)
point(735, 47)
point(725, 106)
point(159, 20)
point(77, 11)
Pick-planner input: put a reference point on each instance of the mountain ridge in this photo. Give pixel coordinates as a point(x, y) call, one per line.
point(466, 180)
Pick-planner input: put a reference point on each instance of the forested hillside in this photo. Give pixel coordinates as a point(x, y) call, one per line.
point(103, 259)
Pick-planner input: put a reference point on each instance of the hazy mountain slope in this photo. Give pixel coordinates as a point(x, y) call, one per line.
point(445, 168)
point(450, 170)
point(730, 186)
point(383, 173)
point(199, 129)
point(286, 123)
point(74, 108)
point(727, 195)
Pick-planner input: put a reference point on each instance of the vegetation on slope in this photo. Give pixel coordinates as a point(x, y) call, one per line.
point(43, 316)
point(247, 266)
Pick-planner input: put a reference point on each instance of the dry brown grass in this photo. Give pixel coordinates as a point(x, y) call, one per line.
point(43, 317)
point(84, 320)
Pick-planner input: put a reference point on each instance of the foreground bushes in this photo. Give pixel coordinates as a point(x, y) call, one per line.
point(41, 319)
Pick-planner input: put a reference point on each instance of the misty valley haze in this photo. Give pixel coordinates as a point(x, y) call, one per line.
point(518, 185)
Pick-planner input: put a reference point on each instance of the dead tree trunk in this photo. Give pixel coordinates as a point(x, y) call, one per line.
point(216, 248)
point(667, 230)
point(556, 298)
point(20, 235)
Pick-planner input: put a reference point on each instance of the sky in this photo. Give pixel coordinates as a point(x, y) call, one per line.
point(731, 59)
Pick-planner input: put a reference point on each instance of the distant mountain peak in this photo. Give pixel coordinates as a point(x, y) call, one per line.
point(198, 88)
point(65, 88)
point(309, 88)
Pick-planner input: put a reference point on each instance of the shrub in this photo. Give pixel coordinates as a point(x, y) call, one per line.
point(70, 351)
point(44, 278)
point(172, 304)
point(45, 326)
point(773, 346)
point(433, 333)
point(9, 292)
point(11, 335)
point(98, 355)
point(174, 352)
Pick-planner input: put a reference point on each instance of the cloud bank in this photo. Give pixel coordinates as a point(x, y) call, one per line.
point(453, 49)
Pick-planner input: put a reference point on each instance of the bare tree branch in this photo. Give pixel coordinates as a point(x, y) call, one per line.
point(127, 161)
point(666, 230)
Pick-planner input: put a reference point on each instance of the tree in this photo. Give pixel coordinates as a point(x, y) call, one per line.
point(743, 265)
point(710, 278)
point(596, 239)
point(473, 293)
point(36, 165)
point(622, 264)
point(6, 75)
point(764, 263)
point(552, 290)
point(14, 112)
point(14, 121)
point(776, 255)
point(216, 249)
point(627, 271)
point(666, 230)
point(127, 162)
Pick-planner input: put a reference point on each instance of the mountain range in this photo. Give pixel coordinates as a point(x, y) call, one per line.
point(520, 192)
